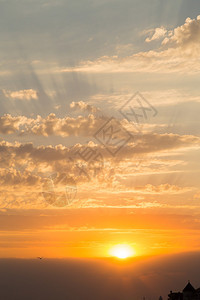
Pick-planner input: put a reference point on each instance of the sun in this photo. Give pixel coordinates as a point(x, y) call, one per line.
point(122, 251)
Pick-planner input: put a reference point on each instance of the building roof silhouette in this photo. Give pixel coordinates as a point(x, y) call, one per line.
point(188, 293)
point(189, 288)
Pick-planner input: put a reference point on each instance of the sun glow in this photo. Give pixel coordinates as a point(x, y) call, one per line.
point(122, 251)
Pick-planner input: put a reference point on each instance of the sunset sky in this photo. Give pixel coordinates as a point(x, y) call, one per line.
point(99, 127)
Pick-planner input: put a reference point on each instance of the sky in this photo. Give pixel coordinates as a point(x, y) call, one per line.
point(99, 127)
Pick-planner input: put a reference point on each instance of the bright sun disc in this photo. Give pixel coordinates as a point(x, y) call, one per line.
point(122, 251)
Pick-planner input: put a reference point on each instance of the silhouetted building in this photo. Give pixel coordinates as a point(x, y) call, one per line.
point(188, 293)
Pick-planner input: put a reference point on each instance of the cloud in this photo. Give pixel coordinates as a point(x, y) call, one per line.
point(178, 53)
point(24, 168)
point(162, 189)
point(80, 126)
point(51, 125)
point(156, 34)
point(21, 94)
point(186, 37)
point(56, 157)
point(87, 127)
point(84, 106)
point(10, 124)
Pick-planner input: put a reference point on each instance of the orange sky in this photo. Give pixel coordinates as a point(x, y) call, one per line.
point(92, 232)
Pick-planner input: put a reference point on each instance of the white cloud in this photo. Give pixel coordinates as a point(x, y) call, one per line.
point(156, 34)
point(186, 37)
point(21, 94)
